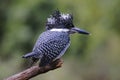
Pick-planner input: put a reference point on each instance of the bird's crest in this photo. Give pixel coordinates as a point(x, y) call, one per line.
point(59, 20)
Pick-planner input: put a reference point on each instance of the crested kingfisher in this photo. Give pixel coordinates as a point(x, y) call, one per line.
point(55, 40)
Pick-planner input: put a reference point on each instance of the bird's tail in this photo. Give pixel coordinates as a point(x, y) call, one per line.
point(28, 55)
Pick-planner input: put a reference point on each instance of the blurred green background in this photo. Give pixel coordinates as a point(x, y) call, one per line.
point(94, 57)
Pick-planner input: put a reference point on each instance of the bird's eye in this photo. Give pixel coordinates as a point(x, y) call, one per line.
point(69, 25)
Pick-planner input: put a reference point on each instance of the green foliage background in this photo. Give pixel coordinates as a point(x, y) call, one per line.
point(94, 57)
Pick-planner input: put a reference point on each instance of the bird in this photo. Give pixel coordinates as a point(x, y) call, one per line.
point(55, 40)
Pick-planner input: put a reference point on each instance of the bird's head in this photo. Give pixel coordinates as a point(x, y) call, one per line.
point(62, 22)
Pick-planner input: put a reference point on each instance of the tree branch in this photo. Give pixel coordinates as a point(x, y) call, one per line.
point(35, 70)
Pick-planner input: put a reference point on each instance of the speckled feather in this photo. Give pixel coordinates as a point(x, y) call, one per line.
point(50, 45)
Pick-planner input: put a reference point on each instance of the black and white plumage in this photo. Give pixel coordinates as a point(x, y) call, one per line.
point(53, 43)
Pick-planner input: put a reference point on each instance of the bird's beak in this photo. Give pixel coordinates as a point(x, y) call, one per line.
point(80, 31)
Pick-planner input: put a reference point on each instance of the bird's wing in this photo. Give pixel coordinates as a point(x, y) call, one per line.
point(53, 50)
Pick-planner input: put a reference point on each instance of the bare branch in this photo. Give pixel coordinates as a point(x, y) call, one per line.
point(35, 70)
